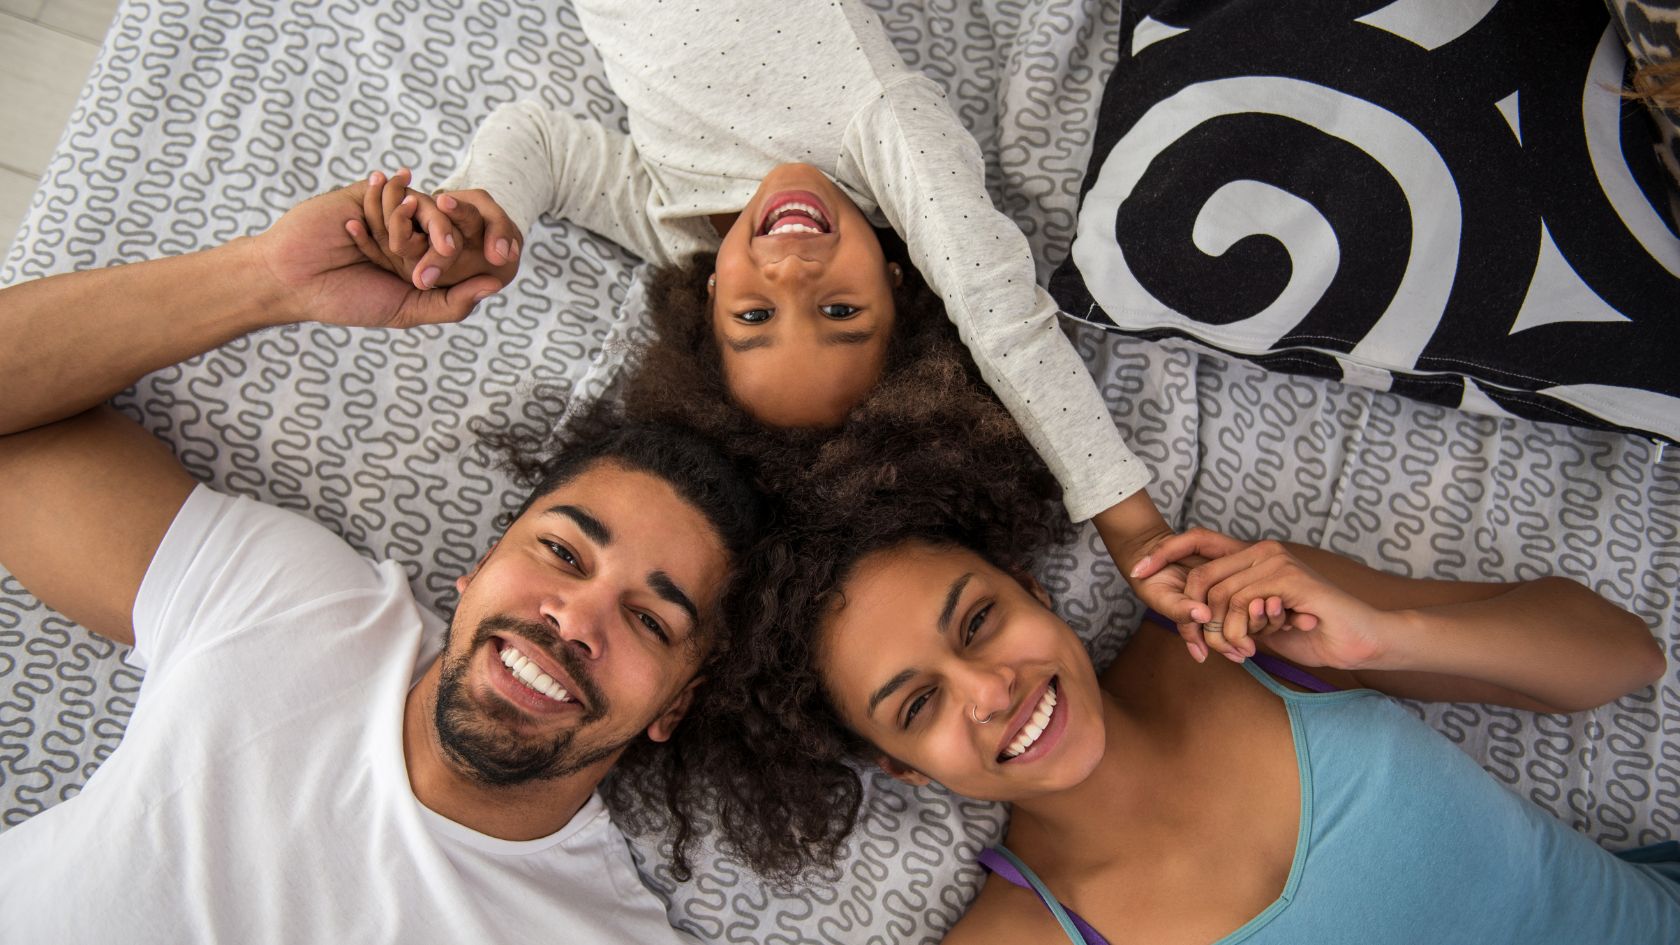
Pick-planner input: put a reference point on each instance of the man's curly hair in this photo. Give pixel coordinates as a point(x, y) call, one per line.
point(759, 762)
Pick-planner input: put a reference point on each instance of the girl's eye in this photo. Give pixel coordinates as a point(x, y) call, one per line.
point(653, 627)
point(838, 311)
point(756, 316)
point(560, 551)
point(975, 623)
point(915, 707)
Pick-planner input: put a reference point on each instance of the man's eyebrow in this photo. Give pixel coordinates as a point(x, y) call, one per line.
point(588, 524)
point(668, 590)
point(891, 687)
point(757, 341)
point(951, 597)
point(849, 337)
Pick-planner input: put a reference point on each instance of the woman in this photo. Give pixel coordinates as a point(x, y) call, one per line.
point(1169, 801)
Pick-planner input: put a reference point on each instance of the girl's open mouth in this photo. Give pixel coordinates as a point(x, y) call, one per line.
point(795, 212)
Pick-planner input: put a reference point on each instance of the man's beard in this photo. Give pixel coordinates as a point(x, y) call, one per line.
point(483, 739)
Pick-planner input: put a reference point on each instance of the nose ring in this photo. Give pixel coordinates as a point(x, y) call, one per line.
point(976, 716)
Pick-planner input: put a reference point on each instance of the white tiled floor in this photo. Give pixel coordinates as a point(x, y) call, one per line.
point(46, 50)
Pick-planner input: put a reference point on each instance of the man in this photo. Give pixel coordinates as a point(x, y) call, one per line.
point(301, 766)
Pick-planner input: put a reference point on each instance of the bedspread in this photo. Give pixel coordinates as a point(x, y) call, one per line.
point(205, 119)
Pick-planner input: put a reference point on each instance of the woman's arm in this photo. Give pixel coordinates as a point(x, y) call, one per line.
point(1548, 645)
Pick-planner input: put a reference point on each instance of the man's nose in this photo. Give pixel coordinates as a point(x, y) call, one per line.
point(579, 618)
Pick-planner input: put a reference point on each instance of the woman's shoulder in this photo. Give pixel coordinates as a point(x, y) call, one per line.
point(1004, 914)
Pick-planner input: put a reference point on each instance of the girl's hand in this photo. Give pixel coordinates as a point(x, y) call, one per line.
point(437, 241)
point(1265, 592)
point(324, 267)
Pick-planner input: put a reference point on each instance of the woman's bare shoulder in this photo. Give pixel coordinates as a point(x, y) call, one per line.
point(1004, 914)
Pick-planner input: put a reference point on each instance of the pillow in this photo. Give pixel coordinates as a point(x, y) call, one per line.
point(1443, 198)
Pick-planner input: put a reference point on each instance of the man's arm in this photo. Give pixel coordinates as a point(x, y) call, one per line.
point(88, 494)
point(69, 342)
point(87, 502)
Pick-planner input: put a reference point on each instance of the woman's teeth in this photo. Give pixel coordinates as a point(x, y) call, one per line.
point(1035, 726)
point(533, 678)
point(802, 211)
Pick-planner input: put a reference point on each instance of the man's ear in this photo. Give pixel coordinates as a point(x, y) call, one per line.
point(901, 771)
point(465, 579)
point(662, 728)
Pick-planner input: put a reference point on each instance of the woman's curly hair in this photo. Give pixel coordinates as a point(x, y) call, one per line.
point(759, 763)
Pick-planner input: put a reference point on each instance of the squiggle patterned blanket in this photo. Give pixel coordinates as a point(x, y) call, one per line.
point(204, 119)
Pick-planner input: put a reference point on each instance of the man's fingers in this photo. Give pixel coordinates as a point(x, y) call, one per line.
point(448, 305)
point(364, 242)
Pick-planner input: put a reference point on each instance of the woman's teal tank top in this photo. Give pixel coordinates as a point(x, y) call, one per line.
point(1404, 839)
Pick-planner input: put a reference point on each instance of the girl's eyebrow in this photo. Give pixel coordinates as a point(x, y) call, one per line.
point(951, 597)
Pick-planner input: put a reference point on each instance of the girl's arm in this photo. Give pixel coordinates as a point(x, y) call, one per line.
point(1548, 645)
point(926, 173)
point(534, 161)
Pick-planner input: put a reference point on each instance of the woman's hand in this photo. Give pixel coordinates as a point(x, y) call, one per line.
point(1264, 591)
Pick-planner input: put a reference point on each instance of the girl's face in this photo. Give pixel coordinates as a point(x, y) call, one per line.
point(802, 304)
point(960, 674)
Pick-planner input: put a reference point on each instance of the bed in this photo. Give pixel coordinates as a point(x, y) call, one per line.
point(204, 119)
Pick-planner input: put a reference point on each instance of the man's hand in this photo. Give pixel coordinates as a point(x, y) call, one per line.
point(315, 259)
point(436, 241)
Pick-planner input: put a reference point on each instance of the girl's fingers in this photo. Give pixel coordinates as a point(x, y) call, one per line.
point(400, 224)
point(373, 207)
point(464, 215)
point(1195, 541)
point(442, 230)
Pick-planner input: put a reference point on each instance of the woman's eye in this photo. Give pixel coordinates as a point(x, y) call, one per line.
point(653, 626)
point(915, 707)
point(755, 316)
point(975, 623)
point(838, 311)
point(561, 552)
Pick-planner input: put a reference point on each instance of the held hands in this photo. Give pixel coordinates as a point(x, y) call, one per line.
point(1262, 590)
point(433, 242)
point(316, 256)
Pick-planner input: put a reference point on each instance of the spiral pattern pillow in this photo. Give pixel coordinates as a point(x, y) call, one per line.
point(1447, 199)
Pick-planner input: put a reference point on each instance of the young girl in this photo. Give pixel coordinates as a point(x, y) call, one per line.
point(775, 137)
point(1164, 801)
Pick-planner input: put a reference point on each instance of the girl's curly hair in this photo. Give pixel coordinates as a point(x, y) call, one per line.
point(759, 763)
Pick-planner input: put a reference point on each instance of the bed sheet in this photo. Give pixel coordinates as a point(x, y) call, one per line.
point(204, 119)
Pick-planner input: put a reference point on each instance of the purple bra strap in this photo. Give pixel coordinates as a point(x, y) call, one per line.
point(999, 860)
point(1274, 667)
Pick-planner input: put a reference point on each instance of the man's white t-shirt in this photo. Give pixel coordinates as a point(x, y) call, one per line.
point(260, 793)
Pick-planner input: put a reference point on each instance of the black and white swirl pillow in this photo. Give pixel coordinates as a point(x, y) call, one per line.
point(1443, 198)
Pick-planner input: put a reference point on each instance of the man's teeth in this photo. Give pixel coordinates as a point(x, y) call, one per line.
point(534, 679)
point(1035, 726)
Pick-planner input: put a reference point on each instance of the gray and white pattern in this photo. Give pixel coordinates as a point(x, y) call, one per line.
point(204, 120)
